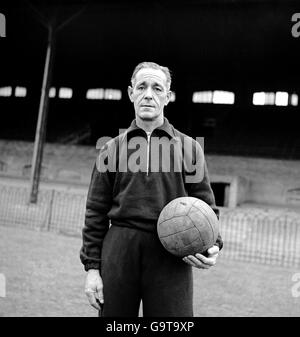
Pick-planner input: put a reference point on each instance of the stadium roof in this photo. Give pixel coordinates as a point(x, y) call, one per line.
point(232, 43)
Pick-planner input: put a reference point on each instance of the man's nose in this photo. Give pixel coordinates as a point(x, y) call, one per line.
point(148, 93)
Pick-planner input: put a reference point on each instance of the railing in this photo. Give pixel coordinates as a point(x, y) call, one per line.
point(56, 210)
point(268, 236)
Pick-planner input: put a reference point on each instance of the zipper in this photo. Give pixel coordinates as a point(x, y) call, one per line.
point(148, 150)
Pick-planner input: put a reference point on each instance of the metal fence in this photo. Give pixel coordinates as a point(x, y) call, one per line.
point(268, 236)
point(56, 210)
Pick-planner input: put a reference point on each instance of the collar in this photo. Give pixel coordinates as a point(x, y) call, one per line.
point(166, 127)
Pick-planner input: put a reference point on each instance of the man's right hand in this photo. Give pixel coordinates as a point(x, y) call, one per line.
point(94, 288)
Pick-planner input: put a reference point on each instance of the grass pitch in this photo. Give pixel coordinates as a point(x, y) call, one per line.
point(44, 277)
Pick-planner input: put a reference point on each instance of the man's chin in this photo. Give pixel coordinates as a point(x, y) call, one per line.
point(148, 117)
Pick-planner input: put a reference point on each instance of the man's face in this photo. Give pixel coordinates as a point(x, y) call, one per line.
point(149, 93)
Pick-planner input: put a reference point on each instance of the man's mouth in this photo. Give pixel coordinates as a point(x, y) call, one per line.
point(147, 106)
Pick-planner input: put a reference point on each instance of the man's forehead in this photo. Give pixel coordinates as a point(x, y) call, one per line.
point(151, 74)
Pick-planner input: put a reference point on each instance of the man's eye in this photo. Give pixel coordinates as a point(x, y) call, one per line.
point(141, 87)
point(158, 89)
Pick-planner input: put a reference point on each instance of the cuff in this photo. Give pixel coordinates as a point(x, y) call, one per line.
point(92, 265)
point(219, 242)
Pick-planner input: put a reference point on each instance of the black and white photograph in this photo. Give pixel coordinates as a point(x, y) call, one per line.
point(150, 161)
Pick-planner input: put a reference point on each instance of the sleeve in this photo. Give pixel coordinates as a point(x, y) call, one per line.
point(96, 225)
point(200, 187)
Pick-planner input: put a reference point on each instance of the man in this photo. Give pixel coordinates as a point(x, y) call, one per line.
point(126, 262)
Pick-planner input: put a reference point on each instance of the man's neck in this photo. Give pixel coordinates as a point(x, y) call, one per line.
point(149, 126)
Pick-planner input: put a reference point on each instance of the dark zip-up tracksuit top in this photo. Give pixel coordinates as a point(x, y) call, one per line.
point(132, 182)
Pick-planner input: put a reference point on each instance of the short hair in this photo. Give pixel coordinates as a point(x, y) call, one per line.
point(152, 65)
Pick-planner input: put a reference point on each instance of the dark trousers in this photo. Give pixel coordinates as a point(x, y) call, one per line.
point(135, 266)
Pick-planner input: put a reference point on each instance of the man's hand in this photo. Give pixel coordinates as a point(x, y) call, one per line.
point(94, 288)
point(202, 262)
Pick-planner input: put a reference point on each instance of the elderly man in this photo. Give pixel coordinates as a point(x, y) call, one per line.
point(121, 252)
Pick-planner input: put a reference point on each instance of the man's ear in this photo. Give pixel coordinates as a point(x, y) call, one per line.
point(130, 92)
point(168, 97)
